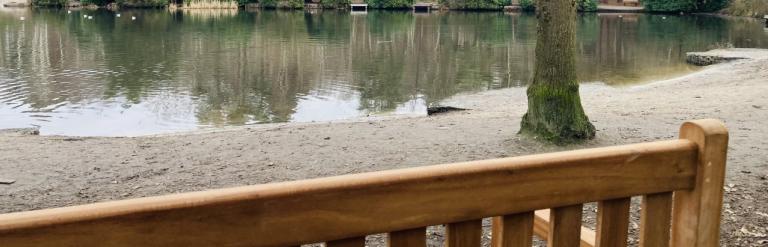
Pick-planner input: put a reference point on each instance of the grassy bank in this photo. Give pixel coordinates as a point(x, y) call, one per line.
point(749, 8)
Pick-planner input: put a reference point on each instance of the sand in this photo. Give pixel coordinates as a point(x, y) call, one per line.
point(53, 171)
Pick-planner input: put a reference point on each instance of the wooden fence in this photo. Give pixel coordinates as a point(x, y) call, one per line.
point(342, 210)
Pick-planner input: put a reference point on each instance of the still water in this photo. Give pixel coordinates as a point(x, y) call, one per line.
point(171, 71)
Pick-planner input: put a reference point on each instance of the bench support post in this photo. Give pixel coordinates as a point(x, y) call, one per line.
point(696, 212)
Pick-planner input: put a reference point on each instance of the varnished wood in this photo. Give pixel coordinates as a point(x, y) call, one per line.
point(347, 242)
point(541, 229)
point(514, 230)
point(655, 220)
point(696, 212)
point(565, 226)
point(464, 234)
point(612, 222)
point(309, 211)
point(416, 237)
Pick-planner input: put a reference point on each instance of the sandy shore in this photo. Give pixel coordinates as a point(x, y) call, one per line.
point(55, 171)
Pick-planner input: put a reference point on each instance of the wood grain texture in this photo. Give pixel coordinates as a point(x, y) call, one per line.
point(514, 230)
point(565, 226)
point(310, 211)
point(464, 234)
point(347, 242)
point(541, 229)
point(655, 220)
point(416, 237)
point(696, 212)
point(612, 222)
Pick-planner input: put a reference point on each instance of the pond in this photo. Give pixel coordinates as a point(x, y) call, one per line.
point(172, 71)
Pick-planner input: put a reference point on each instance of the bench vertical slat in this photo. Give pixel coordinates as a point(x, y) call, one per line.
point(515, 230)
point(655, 220)
point(408, 238)
point(464, 234)
point(696, 212)
point(348, 242)
point(565, 226)
point(612, 222)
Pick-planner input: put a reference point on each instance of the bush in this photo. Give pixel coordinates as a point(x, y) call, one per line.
point(282, 4)
point(685, 5)
point(389, 4)
point(587, 5)
point(711, 5)
point(335, 3)
point(583, 5)
point(96, 2)
point(669, 5)
point(142, 3)
point(474, 4)
point(528, 5)
point(49, 3)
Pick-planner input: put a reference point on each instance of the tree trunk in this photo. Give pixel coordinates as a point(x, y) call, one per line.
point(554, 107)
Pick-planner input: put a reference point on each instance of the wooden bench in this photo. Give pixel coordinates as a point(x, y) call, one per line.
point(680, 181)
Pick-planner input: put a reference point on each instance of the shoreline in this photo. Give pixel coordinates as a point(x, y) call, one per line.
point(55, 171)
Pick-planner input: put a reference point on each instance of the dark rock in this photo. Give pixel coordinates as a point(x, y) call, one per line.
point(442, 109)
point(702, 59)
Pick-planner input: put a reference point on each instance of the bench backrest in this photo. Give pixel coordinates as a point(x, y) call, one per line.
point(342, 210)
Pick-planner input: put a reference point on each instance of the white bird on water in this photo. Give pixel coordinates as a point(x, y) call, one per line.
point(118, 15)
point(90, 17)
point(69, 11)
point(133, 17)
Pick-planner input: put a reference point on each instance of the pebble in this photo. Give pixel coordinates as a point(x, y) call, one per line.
point(7, 181)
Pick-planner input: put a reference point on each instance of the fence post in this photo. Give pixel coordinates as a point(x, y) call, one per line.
point(696, 212)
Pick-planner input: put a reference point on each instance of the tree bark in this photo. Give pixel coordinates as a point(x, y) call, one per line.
point(554, 106)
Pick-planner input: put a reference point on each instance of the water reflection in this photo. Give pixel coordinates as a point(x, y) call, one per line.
point(169, 71)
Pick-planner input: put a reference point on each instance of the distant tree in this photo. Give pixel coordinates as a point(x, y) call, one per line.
point(554, 106)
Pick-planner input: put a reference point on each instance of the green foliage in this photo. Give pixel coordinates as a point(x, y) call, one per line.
point(142, 3)
point(711, 5)
point(96, 2)
point(685, 5)
point(335, 3)
point(282, 4)
point(583, 5)
point(475, 4)
point(528, 5)
point(389, 4)
point(49, 3)
point(669, 5)
point(587, 5)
